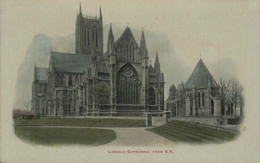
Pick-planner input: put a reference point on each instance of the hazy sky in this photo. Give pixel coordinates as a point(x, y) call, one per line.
point(221, 31)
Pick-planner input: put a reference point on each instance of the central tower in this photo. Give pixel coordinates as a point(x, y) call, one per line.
point(89, 34)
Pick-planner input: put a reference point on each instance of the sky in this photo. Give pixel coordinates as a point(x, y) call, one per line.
point(219, 32)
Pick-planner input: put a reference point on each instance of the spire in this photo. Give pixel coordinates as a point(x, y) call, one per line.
point(110, 34)
point(110, 41)
point(157, 63)
point(143, 49)
point(143, 43)
point(100, 12)
point(80, 11)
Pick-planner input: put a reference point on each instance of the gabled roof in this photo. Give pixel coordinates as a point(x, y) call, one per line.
point(127, 35)
point(41, 73)
point(74, 63)
point(200, 77)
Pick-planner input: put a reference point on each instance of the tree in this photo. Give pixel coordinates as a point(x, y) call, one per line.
point(231, 95)
point(101, 93)
point(223, 94)
point(236, 94)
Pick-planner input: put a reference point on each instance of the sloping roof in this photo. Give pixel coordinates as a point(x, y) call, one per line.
point(75, 63)
point(200, 77)
point(41, 73)
point(127, 34)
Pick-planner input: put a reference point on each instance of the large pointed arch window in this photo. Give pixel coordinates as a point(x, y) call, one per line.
point(128, 88)
point(60, 79)
point(151, 96)
point(70, 80)
point(85, 37)
point(199, 99)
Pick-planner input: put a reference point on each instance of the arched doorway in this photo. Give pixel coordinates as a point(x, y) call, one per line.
point(128, 87)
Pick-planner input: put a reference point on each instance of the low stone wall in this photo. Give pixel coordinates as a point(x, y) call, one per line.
point(158, 121)
point(201, 120)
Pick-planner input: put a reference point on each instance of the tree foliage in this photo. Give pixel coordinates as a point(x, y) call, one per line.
point(101, 92)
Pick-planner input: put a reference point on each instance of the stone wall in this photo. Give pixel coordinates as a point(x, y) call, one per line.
point(158, 121)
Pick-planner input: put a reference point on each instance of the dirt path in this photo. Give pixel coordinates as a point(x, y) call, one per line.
point(138, 137)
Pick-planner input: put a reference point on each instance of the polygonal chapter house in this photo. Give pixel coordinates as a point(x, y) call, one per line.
point(135, 87)
point(199, 96)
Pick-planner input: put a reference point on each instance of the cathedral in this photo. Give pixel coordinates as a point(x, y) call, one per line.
point(65, 88)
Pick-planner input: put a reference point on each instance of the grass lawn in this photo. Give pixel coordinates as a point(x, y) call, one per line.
point(82, 122)
point(181, 131)
point(65, 136)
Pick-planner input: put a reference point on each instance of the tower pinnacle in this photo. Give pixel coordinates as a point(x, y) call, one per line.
point(110, 34)
point(143, 43)
point(157, 63)
point(100, 12)
point(143, 48)
point(110, 42)
point(80, 11)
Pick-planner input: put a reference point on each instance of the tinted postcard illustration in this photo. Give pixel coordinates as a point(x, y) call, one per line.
point(113, 83)
point(101, 74)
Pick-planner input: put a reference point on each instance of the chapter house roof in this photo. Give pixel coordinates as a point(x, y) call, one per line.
point(200, 77)
point(74, 63)
point(41, 73)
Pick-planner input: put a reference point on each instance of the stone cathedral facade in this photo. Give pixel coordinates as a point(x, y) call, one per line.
point(136, 87)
